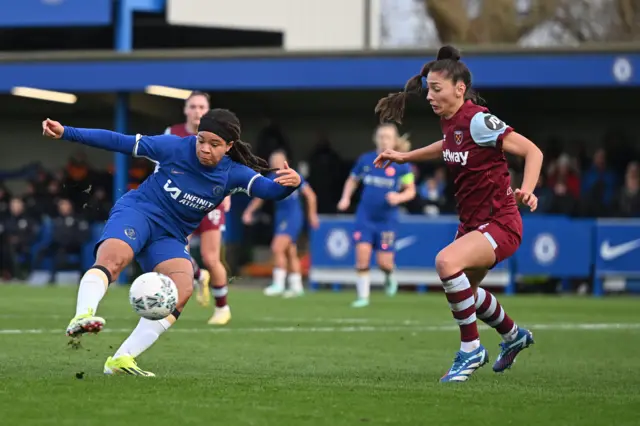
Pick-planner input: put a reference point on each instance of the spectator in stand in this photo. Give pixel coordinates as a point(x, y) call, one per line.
point(562, 202)
point(627, 203)
point(78, 178)
point(5, 197)
point(598, 186)
point(97, 209)
point(48, 202)
point(5, 255)
point(432, 196)
point(40, 180)
point(563, 170)
point(439, 179)
point(270, 139)
point(138, 172)
point(21, 231)
point(545, 197)
point(326, 185)
point(70, 232)
point(31, 200)
point(433, 193)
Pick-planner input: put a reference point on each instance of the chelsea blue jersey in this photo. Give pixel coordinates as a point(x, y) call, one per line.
point(182, 191)
point(377, 183)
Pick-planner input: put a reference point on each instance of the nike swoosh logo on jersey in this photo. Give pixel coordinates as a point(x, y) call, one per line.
point(609, 252)
point(405, 242)
point(176, 172)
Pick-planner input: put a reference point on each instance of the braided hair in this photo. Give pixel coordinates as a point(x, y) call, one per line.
point(240, 151)
point(391, 108)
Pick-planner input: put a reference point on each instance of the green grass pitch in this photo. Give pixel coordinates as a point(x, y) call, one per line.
point(316, 361)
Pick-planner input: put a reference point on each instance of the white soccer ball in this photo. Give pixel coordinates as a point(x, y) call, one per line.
point(153, 296)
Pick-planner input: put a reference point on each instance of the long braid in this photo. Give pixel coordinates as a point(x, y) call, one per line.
point(240, 152)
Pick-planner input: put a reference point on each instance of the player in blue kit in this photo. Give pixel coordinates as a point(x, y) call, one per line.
point(151, 223)
point(377, 213)
point(288, 224)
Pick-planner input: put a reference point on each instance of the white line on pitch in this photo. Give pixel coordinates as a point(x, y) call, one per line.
point(345, 321)
point(354, 329)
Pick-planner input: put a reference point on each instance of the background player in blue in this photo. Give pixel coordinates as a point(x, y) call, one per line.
point(151, 224)
point(377, 212)
point(288, 224)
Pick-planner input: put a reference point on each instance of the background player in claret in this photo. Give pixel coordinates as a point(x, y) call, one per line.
point(151, 223)
point(210, 230)
point(288, 224)
point(490, 228)
point(377, 212)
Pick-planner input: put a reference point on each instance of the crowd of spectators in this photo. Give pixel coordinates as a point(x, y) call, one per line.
point(70, 200)
point(67, 201)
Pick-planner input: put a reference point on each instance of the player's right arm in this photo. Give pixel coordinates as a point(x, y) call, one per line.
point(426, 153)
point(351, 184)
point(155, 148)
point(244, 179)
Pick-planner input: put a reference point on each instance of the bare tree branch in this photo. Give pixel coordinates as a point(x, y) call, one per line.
point(629, 19)
point(541, 10)
point(450, 18)
point(499, 21)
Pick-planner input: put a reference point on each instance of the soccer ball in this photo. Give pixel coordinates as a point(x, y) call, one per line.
point(153, 296)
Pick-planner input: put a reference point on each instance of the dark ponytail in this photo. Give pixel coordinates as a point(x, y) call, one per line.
point(391, 108)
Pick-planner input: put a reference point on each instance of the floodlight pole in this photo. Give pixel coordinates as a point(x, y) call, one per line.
point(123, 44)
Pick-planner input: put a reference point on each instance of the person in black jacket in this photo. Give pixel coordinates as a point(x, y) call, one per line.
point(20, 232)
point(70, 232)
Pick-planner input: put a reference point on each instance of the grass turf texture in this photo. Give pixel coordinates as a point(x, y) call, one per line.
point(315, 361)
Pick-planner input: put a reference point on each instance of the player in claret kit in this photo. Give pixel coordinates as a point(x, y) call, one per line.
point(210, 230)
point(473, 146)
point(377, 212)
point(288, 224)
point(151, 223)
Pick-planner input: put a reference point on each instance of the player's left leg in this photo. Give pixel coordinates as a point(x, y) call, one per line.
point(385, 247)
point(296, 288)
point(167, 256)
point(210, 246)
point(385, 260)
point(279, 247)
point(488, 309)
point(125, 234)
point(363, 281)
point(201, 276)
point(364, 238)
point(293, 230)
point(469, 251)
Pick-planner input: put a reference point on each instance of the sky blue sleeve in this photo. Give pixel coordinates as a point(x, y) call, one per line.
point(357, 170)
point(488, 130)
point(156, 148)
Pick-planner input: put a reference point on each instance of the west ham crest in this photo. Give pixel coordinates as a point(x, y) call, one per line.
point(457, 136)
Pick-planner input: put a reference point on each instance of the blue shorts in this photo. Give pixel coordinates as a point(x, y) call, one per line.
point(381, 235)
point(290, 225)
point(150, 243)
